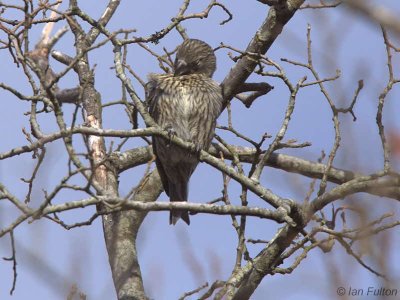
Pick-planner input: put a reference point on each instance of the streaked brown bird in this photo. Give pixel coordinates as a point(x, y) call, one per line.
point(187, 104)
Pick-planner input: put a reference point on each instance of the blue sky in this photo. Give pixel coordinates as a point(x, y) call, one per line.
point(51, 259)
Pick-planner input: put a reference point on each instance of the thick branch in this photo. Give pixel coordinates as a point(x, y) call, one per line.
point(376, 13)
point(288, 163)
point(120, 231)
point(252, 274)
point(257, 89)
point(361, 184)
point(120, 228)
point(261, 42)
point(145, 206)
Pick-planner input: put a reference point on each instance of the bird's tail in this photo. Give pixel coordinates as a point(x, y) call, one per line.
point(175, 215)
point(178, 193)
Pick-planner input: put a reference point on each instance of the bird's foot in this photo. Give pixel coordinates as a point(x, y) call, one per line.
point(171, 133)
point(198, 149)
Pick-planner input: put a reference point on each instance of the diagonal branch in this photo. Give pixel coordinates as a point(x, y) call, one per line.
point(258, 89)
point(261, 42)
point(376, 13)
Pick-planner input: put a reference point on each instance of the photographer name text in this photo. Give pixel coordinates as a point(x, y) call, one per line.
point(367, 291)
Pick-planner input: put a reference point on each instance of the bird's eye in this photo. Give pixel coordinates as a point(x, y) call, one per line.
point(195, 64)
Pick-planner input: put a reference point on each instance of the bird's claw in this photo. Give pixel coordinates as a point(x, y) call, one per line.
point(171, 133)
point(198, 148)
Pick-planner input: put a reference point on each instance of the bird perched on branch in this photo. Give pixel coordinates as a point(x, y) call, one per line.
point(186, 104)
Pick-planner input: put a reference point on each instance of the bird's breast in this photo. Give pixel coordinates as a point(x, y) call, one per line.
point(185, 101)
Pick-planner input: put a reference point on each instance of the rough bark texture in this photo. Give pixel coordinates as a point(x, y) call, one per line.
point(265, 36)
point(100, 169)
point(120, 232)
point(120, 228)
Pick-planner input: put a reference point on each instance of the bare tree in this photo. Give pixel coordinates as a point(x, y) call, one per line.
point(97, 155)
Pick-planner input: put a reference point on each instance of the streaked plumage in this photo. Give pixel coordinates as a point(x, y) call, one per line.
point(187, 103)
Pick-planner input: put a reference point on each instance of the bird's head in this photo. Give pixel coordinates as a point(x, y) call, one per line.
point(194, 57)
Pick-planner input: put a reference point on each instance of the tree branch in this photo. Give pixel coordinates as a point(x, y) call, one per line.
point(145, 205)
point(375, 13)
point(261, 42)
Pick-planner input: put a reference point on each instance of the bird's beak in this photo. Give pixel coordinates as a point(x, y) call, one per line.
point(180, 67)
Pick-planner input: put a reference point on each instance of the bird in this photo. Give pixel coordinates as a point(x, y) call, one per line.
point(187, 104)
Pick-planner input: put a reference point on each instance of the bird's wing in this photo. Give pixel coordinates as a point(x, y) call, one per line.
point(153, 93)
point(161, 171)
